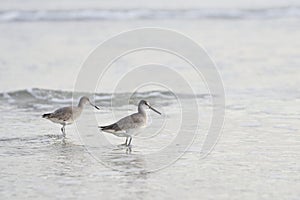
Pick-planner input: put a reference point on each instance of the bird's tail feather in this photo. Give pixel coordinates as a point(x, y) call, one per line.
point(105, 127)
point(47, 115)
point(113, 127)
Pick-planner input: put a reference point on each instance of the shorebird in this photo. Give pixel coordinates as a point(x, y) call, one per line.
point(129, 125)
point(67, 115)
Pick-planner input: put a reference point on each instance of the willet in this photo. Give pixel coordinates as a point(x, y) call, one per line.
point(129, 125)
point(67, 115)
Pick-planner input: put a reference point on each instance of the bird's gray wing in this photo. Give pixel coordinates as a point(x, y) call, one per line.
point(63, 113)
point(131, 121)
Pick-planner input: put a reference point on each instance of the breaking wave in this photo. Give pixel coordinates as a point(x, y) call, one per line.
point(45, 96)
point(131, 14)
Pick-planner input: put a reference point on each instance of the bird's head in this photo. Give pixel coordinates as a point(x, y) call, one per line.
point(145, 104)
point(85, 100)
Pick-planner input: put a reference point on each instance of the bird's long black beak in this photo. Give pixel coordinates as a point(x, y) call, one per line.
point(95, 106)
point(154, 110)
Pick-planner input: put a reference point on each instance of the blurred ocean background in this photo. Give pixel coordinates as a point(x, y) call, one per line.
point(255, 45)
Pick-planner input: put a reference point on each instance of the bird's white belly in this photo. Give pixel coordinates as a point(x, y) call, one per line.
point(120, 134)
point(55, 120)
point(136, 131)
point(126, 133)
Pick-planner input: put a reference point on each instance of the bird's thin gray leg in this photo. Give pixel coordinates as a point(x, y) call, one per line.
point(125, 144)
point(130, 138)
point(126, 141)
point(128, 150)
point(63, 130)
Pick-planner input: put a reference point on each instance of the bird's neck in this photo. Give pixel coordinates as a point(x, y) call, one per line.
point(80, 105)
point(142, 110)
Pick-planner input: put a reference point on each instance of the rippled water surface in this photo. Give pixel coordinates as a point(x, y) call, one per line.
point(257, 153)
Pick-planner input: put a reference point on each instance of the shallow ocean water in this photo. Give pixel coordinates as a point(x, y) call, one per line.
point(256, 156)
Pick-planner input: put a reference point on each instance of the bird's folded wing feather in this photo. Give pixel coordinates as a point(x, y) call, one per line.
point(63, 113)
point(129, 122)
